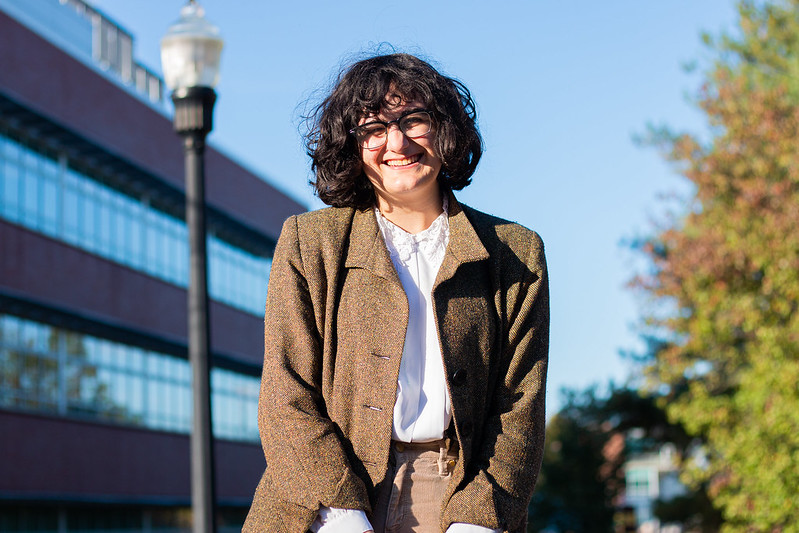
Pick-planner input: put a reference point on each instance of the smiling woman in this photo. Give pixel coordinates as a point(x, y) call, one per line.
point(406, 334)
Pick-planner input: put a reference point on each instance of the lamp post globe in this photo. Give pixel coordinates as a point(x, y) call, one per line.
point(190, 50)
point(190, 53)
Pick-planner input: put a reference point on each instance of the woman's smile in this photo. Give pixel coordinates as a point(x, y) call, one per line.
point(404, 162)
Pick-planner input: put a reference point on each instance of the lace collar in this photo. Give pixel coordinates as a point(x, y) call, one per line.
point(431, 242)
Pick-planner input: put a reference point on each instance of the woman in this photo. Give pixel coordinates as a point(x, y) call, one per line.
point(406, 334)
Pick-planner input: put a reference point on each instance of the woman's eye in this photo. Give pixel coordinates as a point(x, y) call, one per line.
point(377, 129)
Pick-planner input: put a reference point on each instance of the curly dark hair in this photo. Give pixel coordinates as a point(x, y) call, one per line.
point(368, 87)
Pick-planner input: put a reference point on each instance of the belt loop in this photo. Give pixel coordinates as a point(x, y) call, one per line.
point(443, 450)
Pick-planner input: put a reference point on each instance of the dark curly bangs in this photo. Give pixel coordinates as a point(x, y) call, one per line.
point(368, 87)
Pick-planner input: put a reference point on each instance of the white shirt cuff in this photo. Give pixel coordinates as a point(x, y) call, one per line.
point(459, 527)
point(334, 520)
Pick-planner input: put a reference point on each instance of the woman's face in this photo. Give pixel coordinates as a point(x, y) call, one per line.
point(403, 171)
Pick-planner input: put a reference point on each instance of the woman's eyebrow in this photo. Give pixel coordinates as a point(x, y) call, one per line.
point(373, 120)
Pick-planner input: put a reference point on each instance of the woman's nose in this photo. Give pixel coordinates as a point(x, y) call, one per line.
point(396, 139)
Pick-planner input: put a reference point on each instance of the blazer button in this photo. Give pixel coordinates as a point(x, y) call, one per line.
point(459, 376)
point(466, 428)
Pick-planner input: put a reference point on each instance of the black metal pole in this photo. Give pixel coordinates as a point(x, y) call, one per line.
point(193, 121)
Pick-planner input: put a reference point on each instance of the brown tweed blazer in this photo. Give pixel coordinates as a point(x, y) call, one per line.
point(336, 315)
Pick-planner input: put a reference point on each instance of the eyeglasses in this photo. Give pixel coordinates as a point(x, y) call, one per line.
point(373, 135)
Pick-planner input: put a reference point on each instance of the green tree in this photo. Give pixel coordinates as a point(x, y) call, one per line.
point(723, 281)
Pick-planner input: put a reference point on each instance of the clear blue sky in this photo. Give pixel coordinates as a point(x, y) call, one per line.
point(561, 88)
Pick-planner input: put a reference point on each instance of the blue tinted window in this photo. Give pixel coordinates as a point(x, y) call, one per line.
point(50, 196)
point(47, 369)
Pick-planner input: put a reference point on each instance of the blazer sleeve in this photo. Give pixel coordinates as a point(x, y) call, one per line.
point(307, 467)
point(503, 472)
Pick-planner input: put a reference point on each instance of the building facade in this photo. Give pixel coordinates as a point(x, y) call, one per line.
point(95, 406)
point(652, 476)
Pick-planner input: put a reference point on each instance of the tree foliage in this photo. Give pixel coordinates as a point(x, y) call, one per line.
point(724, 278)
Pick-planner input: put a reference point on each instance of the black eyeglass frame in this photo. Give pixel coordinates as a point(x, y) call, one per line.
point(398, 121)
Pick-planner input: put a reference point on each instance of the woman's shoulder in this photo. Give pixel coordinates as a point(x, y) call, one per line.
point(325, 215)
point(498, 234)
point(317, 239)
point(321, 223)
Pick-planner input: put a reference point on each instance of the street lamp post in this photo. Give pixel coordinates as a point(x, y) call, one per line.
point(190, 53)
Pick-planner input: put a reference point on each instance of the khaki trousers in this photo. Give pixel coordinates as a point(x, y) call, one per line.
point(421, 473)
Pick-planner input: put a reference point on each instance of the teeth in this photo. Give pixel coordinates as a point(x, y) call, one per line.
point(402, 162)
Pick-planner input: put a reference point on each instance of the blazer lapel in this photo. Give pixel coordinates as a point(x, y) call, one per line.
point(367, 249)
point(464, 244)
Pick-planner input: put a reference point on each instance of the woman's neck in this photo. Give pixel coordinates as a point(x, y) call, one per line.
point(413, 218)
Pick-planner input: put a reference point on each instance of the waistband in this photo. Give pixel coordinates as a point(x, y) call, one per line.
point(433, 445)
point(446, 449)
